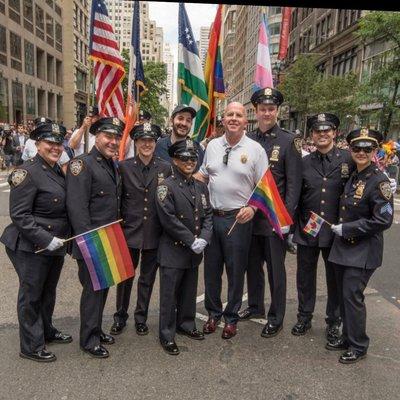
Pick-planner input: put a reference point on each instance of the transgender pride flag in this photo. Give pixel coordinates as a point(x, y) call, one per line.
point(263, 72)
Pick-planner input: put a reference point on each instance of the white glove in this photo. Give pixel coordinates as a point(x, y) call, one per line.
point(202, 243)
point(55, 244)
point(285, 229)
point(337, 229)
point(393, 185)
point(196, 246)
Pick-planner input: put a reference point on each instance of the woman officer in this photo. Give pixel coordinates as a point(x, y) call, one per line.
point(366, 210)
point(39, 222)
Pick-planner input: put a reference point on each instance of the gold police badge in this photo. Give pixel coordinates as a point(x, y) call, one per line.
point(76, 167)
point(359, 190)
point(147, 127)
point(162, 192)
point(344, 170)
point(243, 158)
point(268, 92)
point(275, 153)
point(321, 118)
point(160, 177)
point(203, 200)
point(297, 143)
point(18, 176)
point(116, 122)
point(386, 192)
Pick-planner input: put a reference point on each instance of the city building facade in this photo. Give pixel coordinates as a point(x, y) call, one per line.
point(170, 66)
point(203, 43)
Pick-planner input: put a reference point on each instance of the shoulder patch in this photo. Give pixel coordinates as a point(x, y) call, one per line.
point(385, 189)
point(76, 167)
point(18, 176)
point(298, 143)
point(162, 192)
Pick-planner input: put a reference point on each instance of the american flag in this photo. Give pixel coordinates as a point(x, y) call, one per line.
point(108, 64)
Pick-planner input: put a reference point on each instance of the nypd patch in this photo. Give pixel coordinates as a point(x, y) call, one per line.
point(18, 176)
point(385, 190)
point(76, 167)
point(162, 192)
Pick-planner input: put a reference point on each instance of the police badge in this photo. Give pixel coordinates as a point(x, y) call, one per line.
point(203, 200)
point(345, 170)
point(160, 177)
point(275, 153)
point(147, 127)
point(76, 167)
point(297, 143)
point(116, 122)
point(268, 92)
point(386, 192)
point(321, 118)
point(359, 190)
point(162, 192)
point(18, 176)
point(243, 158)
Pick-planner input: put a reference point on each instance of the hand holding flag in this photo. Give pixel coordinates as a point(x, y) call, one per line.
point(314, 224)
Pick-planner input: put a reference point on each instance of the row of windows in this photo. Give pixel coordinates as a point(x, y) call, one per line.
point(347, 18)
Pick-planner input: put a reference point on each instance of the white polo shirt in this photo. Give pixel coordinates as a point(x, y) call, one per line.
point(81, 148)
point(231, 185)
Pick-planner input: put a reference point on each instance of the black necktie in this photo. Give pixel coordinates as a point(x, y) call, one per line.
point(324, 163)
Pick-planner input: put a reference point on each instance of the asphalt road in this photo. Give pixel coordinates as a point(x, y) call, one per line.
point(247, 367)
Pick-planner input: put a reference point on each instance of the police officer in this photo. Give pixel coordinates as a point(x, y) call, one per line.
point(183, 207)
point(366, 210)
point(39, 222)
point(284, 153)
point(93, 200)
point(325, 173)
point(140, 177)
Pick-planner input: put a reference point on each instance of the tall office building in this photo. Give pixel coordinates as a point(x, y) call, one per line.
point(203, 43)
point(170, 65)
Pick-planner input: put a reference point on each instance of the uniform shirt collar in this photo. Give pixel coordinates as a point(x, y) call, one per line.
point(239, 144)
point(328, 155)
point(268, 132)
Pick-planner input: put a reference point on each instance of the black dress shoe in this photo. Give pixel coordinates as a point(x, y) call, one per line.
point(40, 356)
point(97, 352)
point(60, 337)
point(270, 330)
point(332, 332)
point(141, 329)
point(117, 328)
point(106, 339)
point(351, 357)
point(247, 314)
point(170, 347)
point(194, 334)
point(301, 328)
point(337, 344)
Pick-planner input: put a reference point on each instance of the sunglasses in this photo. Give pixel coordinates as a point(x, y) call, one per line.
point(366, 150)
point(187, 158)
point(226, 155)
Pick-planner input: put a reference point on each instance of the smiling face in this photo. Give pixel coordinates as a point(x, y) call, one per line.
point(181, 124)
point(49, 151)
point(234, 120)
point(107, 144)
point(362, 156)
point(267, 115)
point(323, 139)
point(145, 147)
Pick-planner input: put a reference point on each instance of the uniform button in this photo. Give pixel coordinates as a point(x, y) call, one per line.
point(145, 199)
point(324, 190)
point(181, 216)
point(355, 203)
point(345, 196)
point(196, 218)
point(144, 217)
point(55, 200)
point(322, 213)
point(101, 192)
point(146, 190)
point(196, 210)
point(341, 219)
point(343, 207)
point(176, 243)
point(325, 179)
point(117, 197)
point(322, 201)
point(145, 209)
point(197, 227)
point(49, 226)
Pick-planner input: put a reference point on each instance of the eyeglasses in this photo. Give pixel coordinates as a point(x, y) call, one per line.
point(187, 158)
point(226, 155)
point(366, 150)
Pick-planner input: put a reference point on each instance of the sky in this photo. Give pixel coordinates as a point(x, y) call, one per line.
point(166, 16)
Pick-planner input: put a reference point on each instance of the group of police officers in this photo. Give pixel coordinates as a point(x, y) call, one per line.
point(176, 202)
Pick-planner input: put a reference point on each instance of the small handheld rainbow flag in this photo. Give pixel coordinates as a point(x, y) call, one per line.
point(266, 197)
point(106, 255)
point(314, 224)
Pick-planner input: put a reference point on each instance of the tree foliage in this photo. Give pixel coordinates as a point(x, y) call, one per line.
point(382, 85)
point(155, 74)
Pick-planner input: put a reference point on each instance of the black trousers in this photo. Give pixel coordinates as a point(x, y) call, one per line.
point(148, 272)
point(233, 251)
point(38, 277)
point(178, 290)
point(272, 250)
point(91, 309)
point(306, 279)
point(351, 284)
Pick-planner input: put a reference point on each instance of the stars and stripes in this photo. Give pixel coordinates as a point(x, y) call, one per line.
point(108, 64)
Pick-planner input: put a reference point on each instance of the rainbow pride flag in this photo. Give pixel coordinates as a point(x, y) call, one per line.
point(266, 198)
point(106, 255)
point(314, 224)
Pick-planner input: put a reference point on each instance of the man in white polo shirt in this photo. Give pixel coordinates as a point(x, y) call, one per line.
point(232, 166)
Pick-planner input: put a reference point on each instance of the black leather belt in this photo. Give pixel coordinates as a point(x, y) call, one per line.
point(222, 213)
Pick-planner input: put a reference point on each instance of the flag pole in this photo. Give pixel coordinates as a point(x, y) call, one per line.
point(84, 233)
point(321, 218)
point(215, 115)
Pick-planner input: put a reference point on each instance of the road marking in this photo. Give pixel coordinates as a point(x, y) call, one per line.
point(3, 184)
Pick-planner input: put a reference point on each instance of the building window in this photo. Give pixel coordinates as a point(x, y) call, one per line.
point(17, 99)
point(306, 12)
point(49, 30)
point(2, 7)
point(58, 37)
point(344, 62)
point(15, 5)
point(50, 3)
point(293, 22)
point(275, 10)
point(274, 29)
point(15, 50)
point(80, 78)
point(30, 100)
point(3, 99)
point(29, 58)
point(274, 48)
point(3, 40)
point(39, 22)
point(58, 10)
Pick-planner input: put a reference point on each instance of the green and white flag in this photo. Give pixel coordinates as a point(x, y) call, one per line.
point(191, 85)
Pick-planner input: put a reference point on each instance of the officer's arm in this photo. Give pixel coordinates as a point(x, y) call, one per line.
point(381, 217)
point(202, 174)
point(78, 197)
point(293, 167)
point(22, 199)
point(168, 219)
point(207, 228)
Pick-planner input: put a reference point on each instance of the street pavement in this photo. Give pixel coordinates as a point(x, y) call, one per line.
point(247, 367)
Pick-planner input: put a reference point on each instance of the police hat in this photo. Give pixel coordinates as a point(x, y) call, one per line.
point(364, 138)
point(93, 110)
point(183, 108)
point(109, 125)
point(146, 130)
point(41, 120)
point(183, 148)
point(323, 121)
point(48, 131)
point(144, 115)
point(267, 96)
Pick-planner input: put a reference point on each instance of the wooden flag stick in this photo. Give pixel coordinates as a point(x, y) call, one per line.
point(322, 219)
point(84, 233)
point(230, 230)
